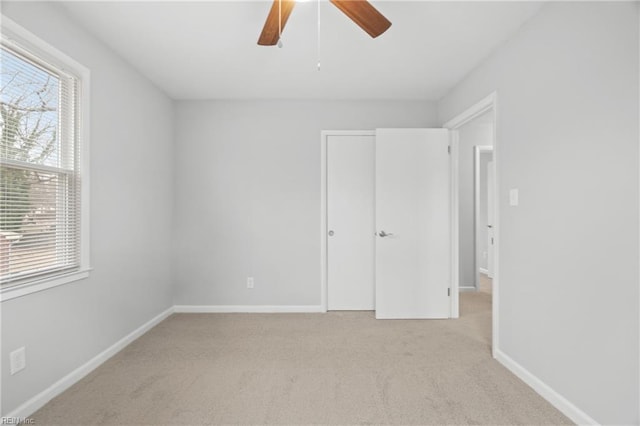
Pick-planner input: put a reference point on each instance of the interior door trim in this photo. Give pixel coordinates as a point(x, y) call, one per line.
point(485, 104)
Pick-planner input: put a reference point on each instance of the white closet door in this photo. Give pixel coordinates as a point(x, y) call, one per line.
point(350, 220)
point(413, 220)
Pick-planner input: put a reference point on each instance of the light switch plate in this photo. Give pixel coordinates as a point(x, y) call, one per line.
point(513, 197)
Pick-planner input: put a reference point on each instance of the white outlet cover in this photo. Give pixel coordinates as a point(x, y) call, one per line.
point(250, 282)
point(17, 360)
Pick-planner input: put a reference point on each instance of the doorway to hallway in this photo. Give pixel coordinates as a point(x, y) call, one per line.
point(475, 163)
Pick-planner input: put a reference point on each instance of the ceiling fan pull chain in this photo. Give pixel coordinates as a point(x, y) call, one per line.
point(318, 35)
point(280, 24)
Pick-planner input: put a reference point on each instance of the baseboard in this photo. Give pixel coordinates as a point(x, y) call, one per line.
point(483, 271)
point(554, 398)
point(464, 288)
point(32, 405)
point(248, 308)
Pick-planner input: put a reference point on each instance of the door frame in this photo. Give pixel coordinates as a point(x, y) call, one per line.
point(324, 135)
point(478, 150)
point(488, 103)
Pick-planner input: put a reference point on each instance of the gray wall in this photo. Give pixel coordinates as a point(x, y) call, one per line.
point(567, 88)
point(131, 193)
point(247, 200)
point(477, 132)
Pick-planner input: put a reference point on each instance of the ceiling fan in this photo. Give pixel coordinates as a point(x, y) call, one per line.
point(359, 11)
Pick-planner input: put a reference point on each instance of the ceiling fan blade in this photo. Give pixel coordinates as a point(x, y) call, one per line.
point(274, 25)
point(365, 15)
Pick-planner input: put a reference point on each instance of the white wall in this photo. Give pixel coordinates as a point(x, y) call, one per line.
point(248, 194)
point(131, 192)
point(477, 132)
point(567, 87)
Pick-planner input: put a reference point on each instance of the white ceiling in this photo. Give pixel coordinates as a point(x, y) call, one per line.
point(208, 50)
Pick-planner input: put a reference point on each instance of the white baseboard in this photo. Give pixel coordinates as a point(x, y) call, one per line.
point(34, 404)
point(484, 271)
point(554, 398)
point(248, 309)
point(464, 288)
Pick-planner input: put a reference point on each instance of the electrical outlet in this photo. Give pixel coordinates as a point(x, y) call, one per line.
point(17, 360)
point(249, 282)
point(484, 254)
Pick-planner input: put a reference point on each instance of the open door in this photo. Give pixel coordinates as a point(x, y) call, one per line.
point(413, 222)
point(490, 218)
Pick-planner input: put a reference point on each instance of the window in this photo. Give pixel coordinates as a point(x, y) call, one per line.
point(43, 227)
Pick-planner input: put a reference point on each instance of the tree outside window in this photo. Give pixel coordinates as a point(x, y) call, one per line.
point(30, 189)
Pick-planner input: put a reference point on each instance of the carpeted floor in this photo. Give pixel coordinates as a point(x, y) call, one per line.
point(335, 368)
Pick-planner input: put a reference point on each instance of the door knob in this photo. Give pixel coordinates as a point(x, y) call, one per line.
point(385, 234)
point(331, 233)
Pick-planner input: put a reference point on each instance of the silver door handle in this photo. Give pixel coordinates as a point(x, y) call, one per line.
point(383, 234)
point(489, 226)
point(331, 233)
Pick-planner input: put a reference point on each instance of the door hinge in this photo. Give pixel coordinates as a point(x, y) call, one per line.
point(449, 149)
point(449, 292)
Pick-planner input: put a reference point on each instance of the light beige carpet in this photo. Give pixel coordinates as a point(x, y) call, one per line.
point(336, 368)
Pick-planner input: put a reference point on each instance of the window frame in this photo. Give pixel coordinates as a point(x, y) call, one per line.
point(16, 37)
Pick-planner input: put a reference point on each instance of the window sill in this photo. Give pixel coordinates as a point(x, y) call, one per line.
point(43, 284)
